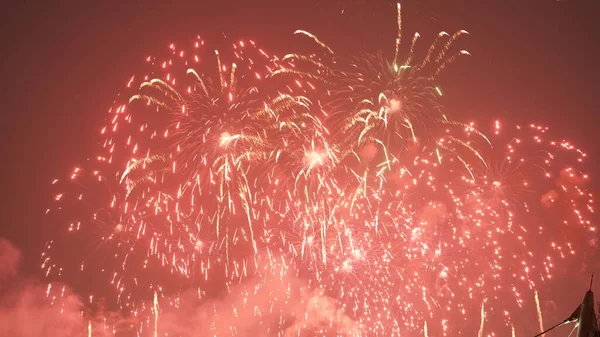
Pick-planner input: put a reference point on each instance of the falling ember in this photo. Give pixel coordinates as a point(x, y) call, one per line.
point(482, 320)
point(155, 310)
point(89, 328)
point(539, 312)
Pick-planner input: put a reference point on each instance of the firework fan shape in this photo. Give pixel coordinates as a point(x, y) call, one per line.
point(180, 181)
point(376, 101)
point(226, 139)
point(338, 177)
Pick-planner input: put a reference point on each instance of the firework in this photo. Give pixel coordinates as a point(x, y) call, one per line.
point(444, 232)
point(375, 100)
point(181, 159)
point(340, 185)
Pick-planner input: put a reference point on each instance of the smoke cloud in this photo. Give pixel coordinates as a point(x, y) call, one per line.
point(9, 260)
point(279, 305)
point(25, 311)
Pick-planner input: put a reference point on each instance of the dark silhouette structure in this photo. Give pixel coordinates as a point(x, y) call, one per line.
point(584, 316)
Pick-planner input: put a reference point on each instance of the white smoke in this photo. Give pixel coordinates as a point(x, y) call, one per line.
point(25, 311)
point(9, 260)
point(279, 305)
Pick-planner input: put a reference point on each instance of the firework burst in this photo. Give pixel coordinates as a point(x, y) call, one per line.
point(373, 99)
point(184, 194)
point(389, 214)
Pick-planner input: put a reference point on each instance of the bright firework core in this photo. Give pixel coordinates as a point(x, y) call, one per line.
point(313, 159)
point(395, 105)
point(227, 138)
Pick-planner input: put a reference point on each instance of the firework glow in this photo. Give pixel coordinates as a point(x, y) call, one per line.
point(328, 193)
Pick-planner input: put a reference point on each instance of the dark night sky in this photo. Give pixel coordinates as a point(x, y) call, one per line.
point(64, 62)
